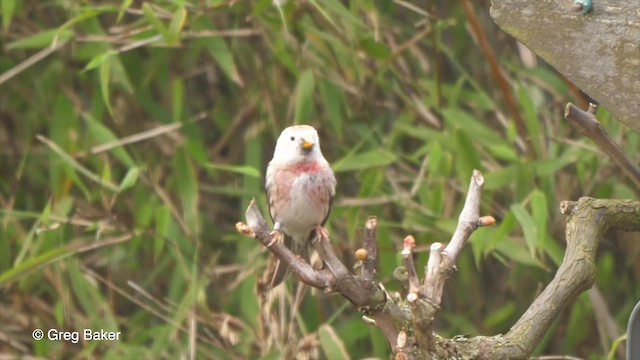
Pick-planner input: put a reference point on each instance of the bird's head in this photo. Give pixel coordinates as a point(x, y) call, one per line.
point(298, 143)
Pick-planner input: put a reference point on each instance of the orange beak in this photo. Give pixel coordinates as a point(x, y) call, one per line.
point(307, 144)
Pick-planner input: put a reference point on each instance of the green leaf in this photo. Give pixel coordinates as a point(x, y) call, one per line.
point(369, 159)
point(163, 226)
point(65, 116)
point(539, 212)
point(614, 347)
point(338, 9)
point(331, 343)
point(89, 297)
point(187, 189)
point(105, 68)
point(304, 97)
point(8, 7)
point(151, 17)
point(531, 234)
point(517, 252)
point(223, 57)
point(27, 242)
point(467, 155)
point(176, 25)
point(473, 127)
point(333, 101)
point(56, 254)
point(103, 134)
point(239, 169)
point(375, 49)
point(33, 263)
point(74, 20)
point(503, 152)
point(126, 4)
point(40, 40)
point(551, 166)
point(74, 164)
point(500, 317)
point(530, 119)
point(177, 96)
point(130, 179)
point(99, 59)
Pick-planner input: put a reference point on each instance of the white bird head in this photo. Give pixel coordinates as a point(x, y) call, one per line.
point(298, 143)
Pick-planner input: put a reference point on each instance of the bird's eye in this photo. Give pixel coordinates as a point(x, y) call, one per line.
point(292, 138)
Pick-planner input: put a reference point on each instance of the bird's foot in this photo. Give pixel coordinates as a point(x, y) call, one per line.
point(275, 235)
point(322, 232)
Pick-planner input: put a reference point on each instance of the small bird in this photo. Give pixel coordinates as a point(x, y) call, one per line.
point(300, 189)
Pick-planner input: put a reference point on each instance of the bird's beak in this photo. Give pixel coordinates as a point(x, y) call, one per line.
point(306, 145)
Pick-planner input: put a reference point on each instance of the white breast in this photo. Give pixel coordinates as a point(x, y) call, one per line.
point(303, 214)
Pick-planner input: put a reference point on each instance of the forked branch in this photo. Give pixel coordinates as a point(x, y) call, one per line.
point(407, 323)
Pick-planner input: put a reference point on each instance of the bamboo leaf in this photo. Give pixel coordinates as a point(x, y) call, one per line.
point(99, 59)
point(7, 8)
point(304, 97)
point(130, 179)
point(40, 40)
point(104, 135)
point(331, 343)
point(531, 233)
point(187, 190)
point(74, 164)
point(239, 169)
point(126, 4)
point(105, 68)
point(369, 159)
point(176, 25)
point(151, 17)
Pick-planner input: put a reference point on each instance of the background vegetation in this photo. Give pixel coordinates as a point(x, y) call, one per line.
point(133, 134)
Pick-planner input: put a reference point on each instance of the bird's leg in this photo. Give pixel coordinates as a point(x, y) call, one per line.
point(276, 234)
point(321, 232)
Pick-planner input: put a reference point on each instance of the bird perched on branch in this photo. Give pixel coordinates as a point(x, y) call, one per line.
point(300, 189)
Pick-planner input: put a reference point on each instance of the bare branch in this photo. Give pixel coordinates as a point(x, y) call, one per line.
point(468, 219)
point(408, 326)
point(433, 265)
point(588, 125)
point(407, 258)
point(371, 247)
point(441, 266)
point(587, 221)
point(257, 228)
point(370, 298)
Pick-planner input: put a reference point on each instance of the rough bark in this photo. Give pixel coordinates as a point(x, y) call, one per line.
point(598, 51)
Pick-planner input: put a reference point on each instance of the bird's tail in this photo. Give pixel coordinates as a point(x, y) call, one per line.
point(298, 247)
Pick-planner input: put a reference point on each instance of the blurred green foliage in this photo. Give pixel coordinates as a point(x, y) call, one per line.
point(135, 133)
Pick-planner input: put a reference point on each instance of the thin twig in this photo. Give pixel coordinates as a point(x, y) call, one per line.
point(411, 7)
point(371, 248)
point(154, 311)
point(588, 125)
point(160, 130)
point(370, 298)
point(468, 219)
point(257, 228)
point(140, 43)
point(30, 61)
point(407, 258)
point(76, 165)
